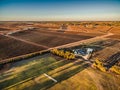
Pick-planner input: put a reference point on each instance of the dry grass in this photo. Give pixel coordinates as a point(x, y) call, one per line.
point(30, 76)
point(89, 79)
point(69, 74)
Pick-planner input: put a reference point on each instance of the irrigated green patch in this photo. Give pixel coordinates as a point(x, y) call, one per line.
point(32, 73)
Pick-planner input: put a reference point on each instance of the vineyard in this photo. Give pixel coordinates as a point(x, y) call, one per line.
point(29, 58)
point(50, 38)
point(11, 48)
point(26, 42)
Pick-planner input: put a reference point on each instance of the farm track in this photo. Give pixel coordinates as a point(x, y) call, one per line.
point(76, 42)
point(49, 38)
point(50, 34)
point(28, 42)
point(66, 45)
point(103, 37)
point(10, 48)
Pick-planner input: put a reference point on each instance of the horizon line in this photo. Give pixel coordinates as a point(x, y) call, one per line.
point(60, 21)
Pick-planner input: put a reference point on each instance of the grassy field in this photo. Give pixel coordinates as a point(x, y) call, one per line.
point(75, 74)
point(90, 79)
point(31, 75)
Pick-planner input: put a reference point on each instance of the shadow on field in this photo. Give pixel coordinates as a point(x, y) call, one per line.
point(34, 72)
point(49, 83)
point(45, 67)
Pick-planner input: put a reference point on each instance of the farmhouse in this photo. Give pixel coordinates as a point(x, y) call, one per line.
point(83, 52)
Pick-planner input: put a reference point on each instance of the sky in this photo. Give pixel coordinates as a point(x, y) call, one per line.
point(59, 10)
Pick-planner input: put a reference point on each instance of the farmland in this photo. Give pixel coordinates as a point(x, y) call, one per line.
point(10, 48)
point(32, 71)
point(89, 79)
point(113, 46)
point(26, 42)
point(29, 74)
point(22, 39)
point(49, 38)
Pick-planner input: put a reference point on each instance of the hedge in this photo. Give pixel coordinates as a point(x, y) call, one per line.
point(18, 58)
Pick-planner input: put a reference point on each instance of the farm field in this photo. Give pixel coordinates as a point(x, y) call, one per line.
point(30, 75)
point(49, 38)
point(93, 34)
point(34, 40)
point(70, 74)
point(17, 40)
point(110, 47)
point(10, 48)
point(89, 79)
point(115, 36)
point(59, 44)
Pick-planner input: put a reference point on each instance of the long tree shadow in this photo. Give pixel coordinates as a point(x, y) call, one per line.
point(23, 75)
point(33, 73)
point(49, 83)
point(69, 67)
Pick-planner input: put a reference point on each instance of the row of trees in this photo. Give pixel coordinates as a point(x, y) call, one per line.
point(68, 55)
point(98, 64)
point(22, 57)
point(115, 69)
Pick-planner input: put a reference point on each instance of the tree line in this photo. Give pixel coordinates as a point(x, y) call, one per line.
point(66, 54)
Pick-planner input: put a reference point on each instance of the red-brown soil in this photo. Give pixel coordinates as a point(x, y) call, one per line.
point(10, 48)
point(50, 38)
point(87, 27)
point(114, 37)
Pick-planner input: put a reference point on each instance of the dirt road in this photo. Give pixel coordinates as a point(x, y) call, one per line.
point(32, 43)
point(94, 39)
point(66, 45)
point(103, 37)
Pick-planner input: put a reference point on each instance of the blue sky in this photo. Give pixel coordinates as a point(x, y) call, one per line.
point(59, 10)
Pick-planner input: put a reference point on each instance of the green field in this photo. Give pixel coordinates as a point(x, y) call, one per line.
point(70, 74)
point(30, 75)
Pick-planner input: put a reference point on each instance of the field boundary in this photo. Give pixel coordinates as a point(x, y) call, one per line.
point(29, 42)
point(26, 56)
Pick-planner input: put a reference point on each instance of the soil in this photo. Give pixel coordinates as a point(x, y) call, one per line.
point(10, 47)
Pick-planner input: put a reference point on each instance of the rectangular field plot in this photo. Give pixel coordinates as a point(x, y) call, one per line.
point(10, 48)
point(31, 75)
point(114, 37)
point(50, 38)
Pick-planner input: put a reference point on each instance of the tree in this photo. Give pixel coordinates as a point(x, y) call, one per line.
point(98, 64)
point(115, 69)
point(67, 54)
